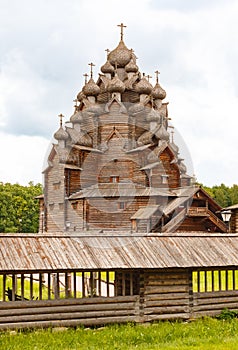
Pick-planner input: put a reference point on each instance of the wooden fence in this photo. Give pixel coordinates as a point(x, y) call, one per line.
point(158, 295)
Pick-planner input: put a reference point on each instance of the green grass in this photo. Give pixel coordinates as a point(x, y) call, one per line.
point(203, 334)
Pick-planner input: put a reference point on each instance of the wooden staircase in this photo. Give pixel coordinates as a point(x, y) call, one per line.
point(194, 212)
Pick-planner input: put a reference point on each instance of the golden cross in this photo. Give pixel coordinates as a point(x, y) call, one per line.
point(86, 78)
point(91, 72)
point(157, 76)
point(148, 77)
point(122, 26)
point(61, 116)
point(107, 51)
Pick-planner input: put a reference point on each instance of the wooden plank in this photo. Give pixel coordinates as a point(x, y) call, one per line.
point(69, 323)
point(49, 286)
point(159, 303)
point(40, 286)
point(163, 275)
point(227, 279)
point(166, 296)
point(131, 283)
point(166, 310)
point(22, 286)
point(69, 309)
point(123, 284)
point(220, 279)
point(31, 286)
point(198, 282)
point(67, 315)
point(83, 284)
point(4, 280)
point(14, 286)
point(233, 279)
point(213, 279)
point(204, 295)
point(81, 301)
point(171, 282)
point(180, 315)
point(67, 285)
point(75, 284)
point(108, 283)
point(99, 284)
point(166, 289)
point(214, 306)
point(215, 300)
point(205, 280)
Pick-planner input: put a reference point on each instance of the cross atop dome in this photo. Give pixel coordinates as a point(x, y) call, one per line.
point(91, 68)
point(148, 77)
point(61, 116)
point(86, 78)
point(122, 26)
point(157, 76)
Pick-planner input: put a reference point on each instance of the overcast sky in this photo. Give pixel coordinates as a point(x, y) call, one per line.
point(45, 50)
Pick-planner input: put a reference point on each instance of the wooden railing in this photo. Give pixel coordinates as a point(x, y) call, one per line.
point(198, 211)
point(203, 211)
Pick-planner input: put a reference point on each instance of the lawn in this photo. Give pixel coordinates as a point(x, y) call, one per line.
point(203, 334)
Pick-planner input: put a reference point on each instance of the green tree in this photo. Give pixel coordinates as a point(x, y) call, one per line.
point(19, 210)
point(223, 195)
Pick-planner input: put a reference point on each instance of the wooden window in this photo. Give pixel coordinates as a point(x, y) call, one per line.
point(51, 206)
point(75, 205)
point(122, 205)
point(56, 185)
point(61, 206)
point(164, 179)
point(114, 178)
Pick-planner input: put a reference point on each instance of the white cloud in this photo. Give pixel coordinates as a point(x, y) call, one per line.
point(46, 47)
point(22, 158)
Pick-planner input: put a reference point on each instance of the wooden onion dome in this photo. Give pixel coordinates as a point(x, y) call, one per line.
point(121, 55)
point(91, 89)
point(144, 87)
point(116, 85)
point(131, 67)
point(158, 92)
point(107, 68)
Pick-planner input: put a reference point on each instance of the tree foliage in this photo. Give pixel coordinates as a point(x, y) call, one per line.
point(223, 195)
point(19, 210)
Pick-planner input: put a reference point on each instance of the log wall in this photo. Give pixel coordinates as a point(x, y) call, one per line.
point(68, 312)
point(212, 303)
point(166, 295)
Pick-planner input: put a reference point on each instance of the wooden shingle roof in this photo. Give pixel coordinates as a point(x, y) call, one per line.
point(22, 253)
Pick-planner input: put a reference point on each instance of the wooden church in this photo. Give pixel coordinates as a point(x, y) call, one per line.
point(115, 166)
point(125, 234)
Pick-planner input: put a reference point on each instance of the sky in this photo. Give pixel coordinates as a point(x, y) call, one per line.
point(45, 50)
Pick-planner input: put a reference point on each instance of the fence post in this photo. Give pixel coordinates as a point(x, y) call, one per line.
point(190, 292)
